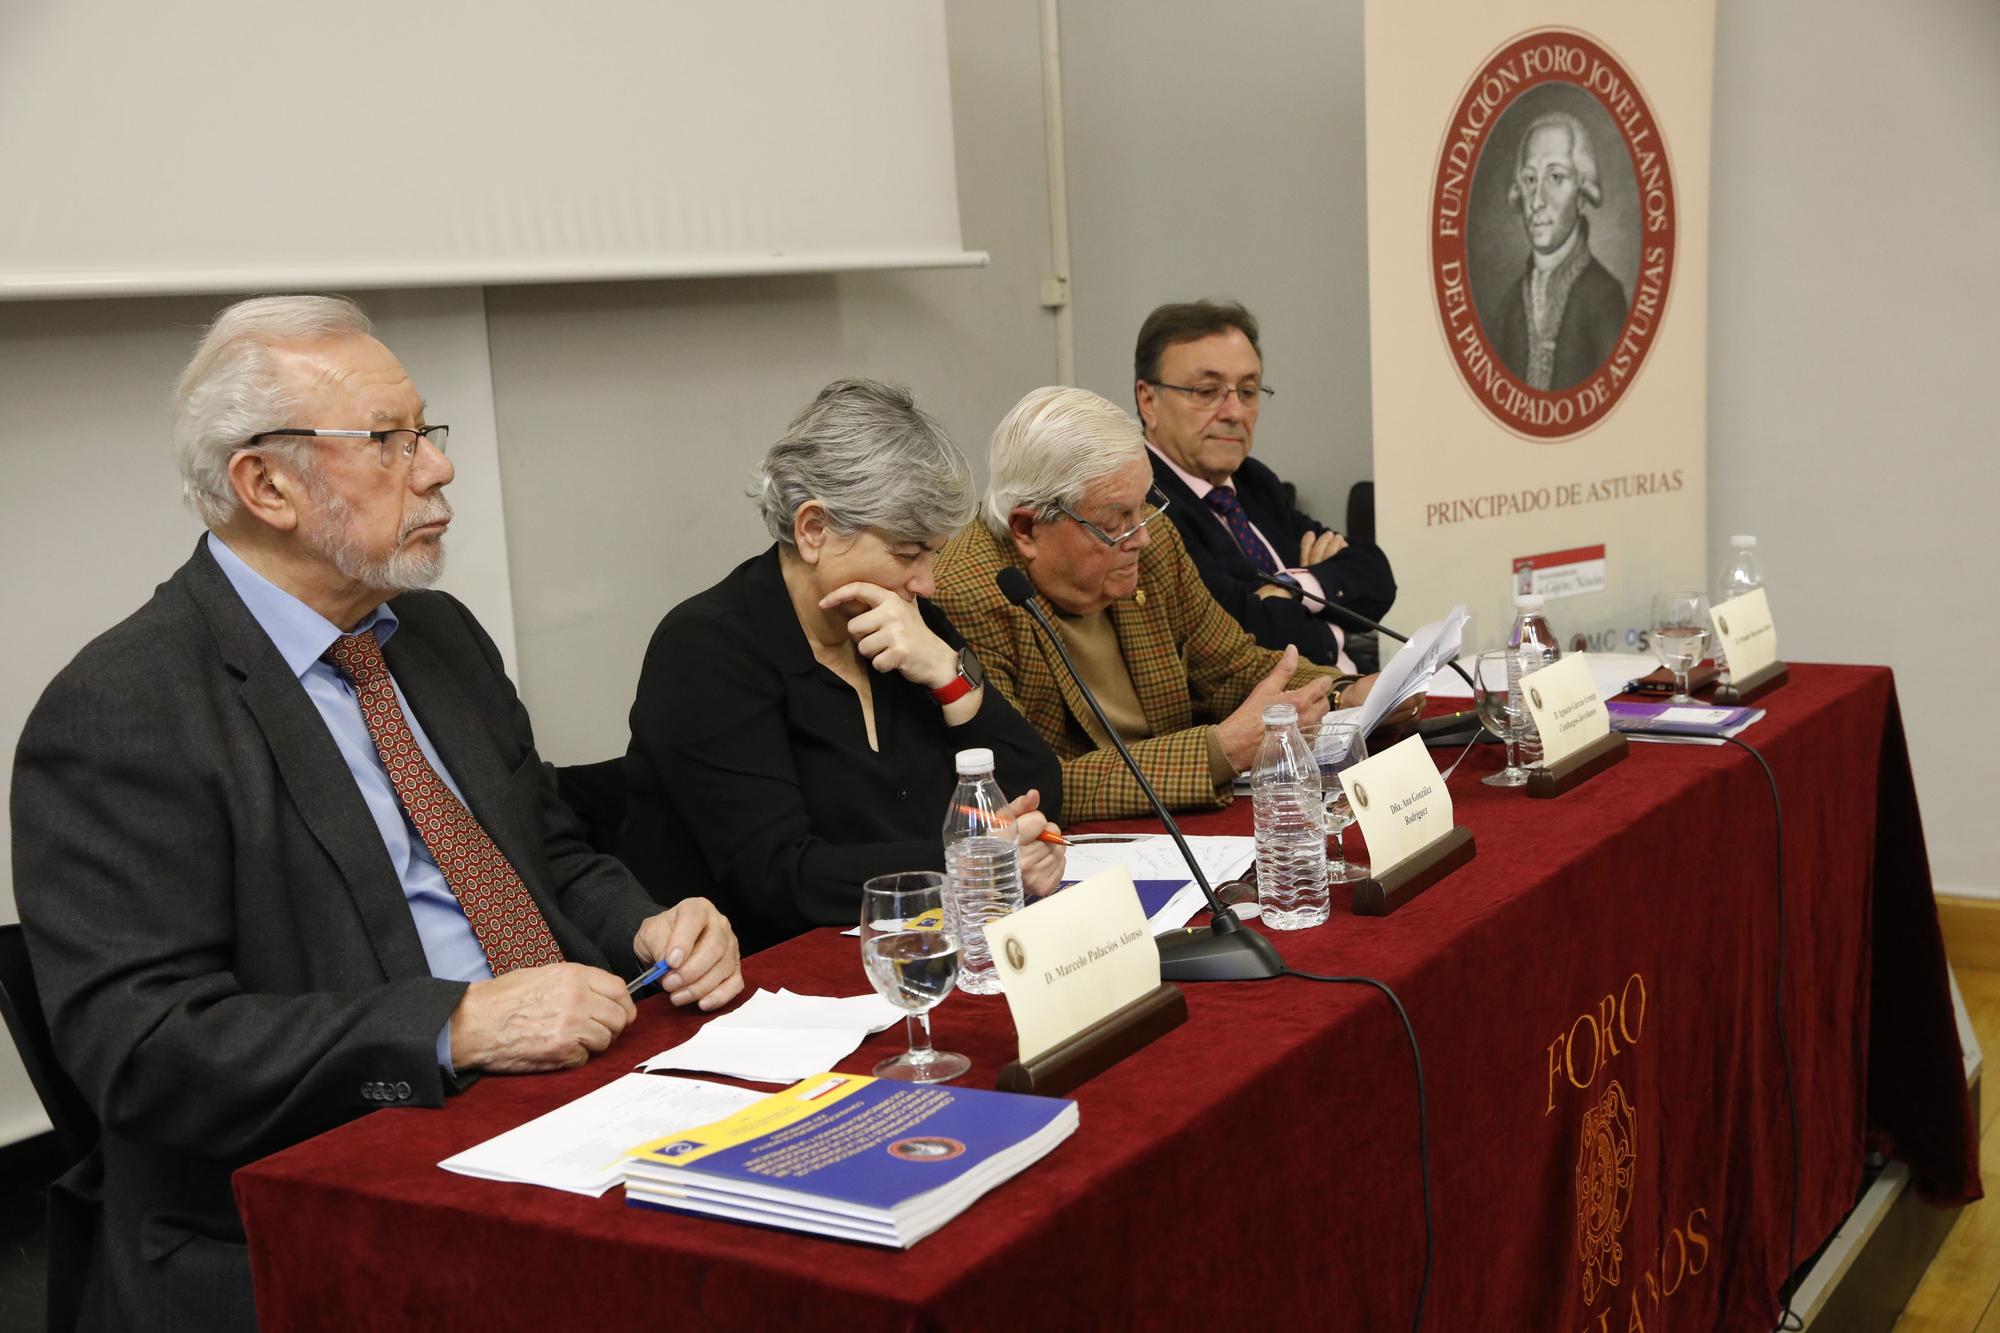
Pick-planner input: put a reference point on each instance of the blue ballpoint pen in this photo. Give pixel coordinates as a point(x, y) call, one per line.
point(648, 977)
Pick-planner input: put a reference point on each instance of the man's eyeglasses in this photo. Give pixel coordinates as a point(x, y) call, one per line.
point(1156, 504)
point(398, 446)
point(1252, 396)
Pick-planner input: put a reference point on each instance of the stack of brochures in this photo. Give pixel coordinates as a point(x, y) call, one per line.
point(1697, 722)
point(852, 1157)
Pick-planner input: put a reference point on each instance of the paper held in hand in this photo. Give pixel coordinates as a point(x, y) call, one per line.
point(1400, 802)
point(1743, 627)
point(1069, 960)
point(1563, 701)
point(1409, 672)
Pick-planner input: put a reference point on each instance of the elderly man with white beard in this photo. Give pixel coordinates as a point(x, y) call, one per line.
point(284, 850)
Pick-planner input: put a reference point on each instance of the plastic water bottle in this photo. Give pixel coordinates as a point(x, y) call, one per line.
point(1744, 574)
point(982, 866)
point(1291, 825)
point(1531, 630)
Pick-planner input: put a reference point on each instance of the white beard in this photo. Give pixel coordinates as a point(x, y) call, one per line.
point(331, 536)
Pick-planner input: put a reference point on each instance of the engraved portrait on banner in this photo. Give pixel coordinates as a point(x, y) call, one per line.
point(1552, 233)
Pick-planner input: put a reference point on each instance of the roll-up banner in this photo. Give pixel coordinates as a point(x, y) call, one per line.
point(1538, 256)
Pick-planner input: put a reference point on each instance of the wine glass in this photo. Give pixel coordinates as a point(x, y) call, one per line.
point(1501, 709)
point(911, 953)
point(1680, 634)
point(1339, 746)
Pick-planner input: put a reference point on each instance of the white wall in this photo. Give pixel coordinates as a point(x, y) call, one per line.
point(631, 414)
point(1219, 152)
point(1853, 357)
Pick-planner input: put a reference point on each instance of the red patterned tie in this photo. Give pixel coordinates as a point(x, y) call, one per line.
point(510, 927)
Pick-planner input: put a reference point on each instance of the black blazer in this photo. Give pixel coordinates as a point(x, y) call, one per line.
point(750, 777)
point(226, 955)
point(1358, 576)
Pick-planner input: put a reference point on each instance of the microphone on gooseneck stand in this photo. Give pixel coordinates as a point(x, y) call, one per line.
point(1224, 950)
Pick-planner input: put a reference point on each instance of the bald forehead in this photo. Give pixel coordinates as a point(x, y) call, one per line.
point(350, 367)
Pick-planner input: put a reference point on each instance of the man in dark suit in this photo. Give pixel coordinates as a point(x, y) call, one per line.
point(1200, 388)
point(283, 848)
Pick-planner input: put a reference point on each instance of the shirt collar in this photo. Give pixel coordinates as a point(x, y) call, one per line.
point(299, 633)
point(1201, 486)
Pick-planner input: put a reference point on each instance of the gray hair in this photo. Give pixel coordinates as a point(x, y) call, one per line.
point(873, 459)
point(1048, 450)
point(1580, 152)
point(233, 389)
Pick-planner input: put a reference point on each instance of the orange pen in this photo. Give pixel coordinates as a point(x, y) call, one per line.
point(1047, 835)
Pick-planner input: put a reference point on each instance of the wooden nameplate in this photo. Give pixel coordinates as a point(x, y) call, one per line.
point(1592, 759)
point(1379, 895)
point(1753, 686)
point(1099, 1046)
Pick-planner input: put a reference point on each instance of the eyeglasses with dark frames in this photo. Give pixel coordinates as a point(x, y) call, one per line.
point(1252, 396)
point(397, 446)
point(1156, 504)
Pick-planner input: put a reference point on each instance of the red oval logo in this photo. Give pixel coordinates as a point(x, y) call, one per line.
point(1552, 233)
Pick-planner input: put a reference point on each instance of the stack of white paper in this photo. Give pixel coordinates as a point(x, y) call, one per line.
point(1154, 857)
point(581, 1147)
point(779, 1037)
point(1409, 672)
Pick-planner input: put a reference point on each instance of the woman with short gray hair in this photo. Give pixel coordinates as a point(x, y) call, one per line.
point(794, 725)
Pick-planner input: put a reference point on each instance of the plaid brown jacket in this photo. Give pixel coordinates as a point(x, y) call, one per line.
point(1191, 666)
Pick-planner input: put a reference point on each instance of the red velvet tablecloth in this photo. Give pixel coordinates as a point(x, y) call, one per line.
point(1610, 1144)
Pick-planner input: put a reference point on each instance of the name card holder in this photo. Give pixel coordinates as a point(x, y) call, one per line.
point(1383, 893)
point(1753, 686)
point(1096, 1048)
point(1557, 778)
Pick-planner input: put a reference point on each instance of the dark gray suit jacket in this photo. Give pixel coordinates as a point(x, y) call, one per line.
point(225, 953)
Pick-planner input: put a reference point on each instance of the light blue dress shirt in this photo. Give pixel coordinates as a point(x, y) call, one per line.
point(301, 635)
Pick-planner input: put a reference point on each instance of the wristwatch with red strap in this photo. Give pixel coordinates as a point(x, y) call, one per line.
point(969, 678)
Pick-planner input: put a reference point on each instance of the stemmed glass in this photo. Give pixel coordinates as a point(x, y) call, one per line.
point(1339, 746)
point(1680, 634)
point(1501, 709)
point(911, 955)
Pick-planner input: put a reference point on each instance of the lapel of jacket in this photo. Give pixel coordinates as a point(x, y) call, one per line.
point(1189, 512)
point(310, 766)
point(1146, 639)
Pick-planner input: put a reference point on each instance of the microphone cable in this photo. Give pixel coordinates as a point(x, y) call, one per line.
point(1788, 1320)
point(1423, 1119)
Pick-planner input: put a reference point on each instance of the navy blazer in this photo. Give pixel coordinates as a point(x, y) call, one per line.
point(224, 950)
point(1358, 576)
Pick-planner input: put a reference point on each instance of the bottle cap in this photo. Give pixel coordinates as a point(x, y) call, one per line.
point(972, 762)
point(1528, 601)
point(1742, 543)
point(1280, 715)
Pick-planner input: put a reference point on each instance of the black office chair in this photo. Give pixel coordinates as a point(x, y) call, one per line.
point(596, 792)
point(72, 1224)
point(1361, 511)
point(75, 1126)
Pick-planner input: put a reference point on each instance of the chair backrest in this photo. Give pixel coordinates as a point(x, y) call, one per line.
point(596, 792)
point(21, 1004)
point(1361, 512)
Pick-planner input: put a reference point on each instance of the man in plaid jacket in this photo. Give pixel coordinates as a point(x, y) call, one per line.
point(1071, 502)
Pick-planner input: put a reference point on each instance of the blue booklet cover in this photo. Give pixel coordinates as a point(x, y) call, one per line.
point(853, 1145)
